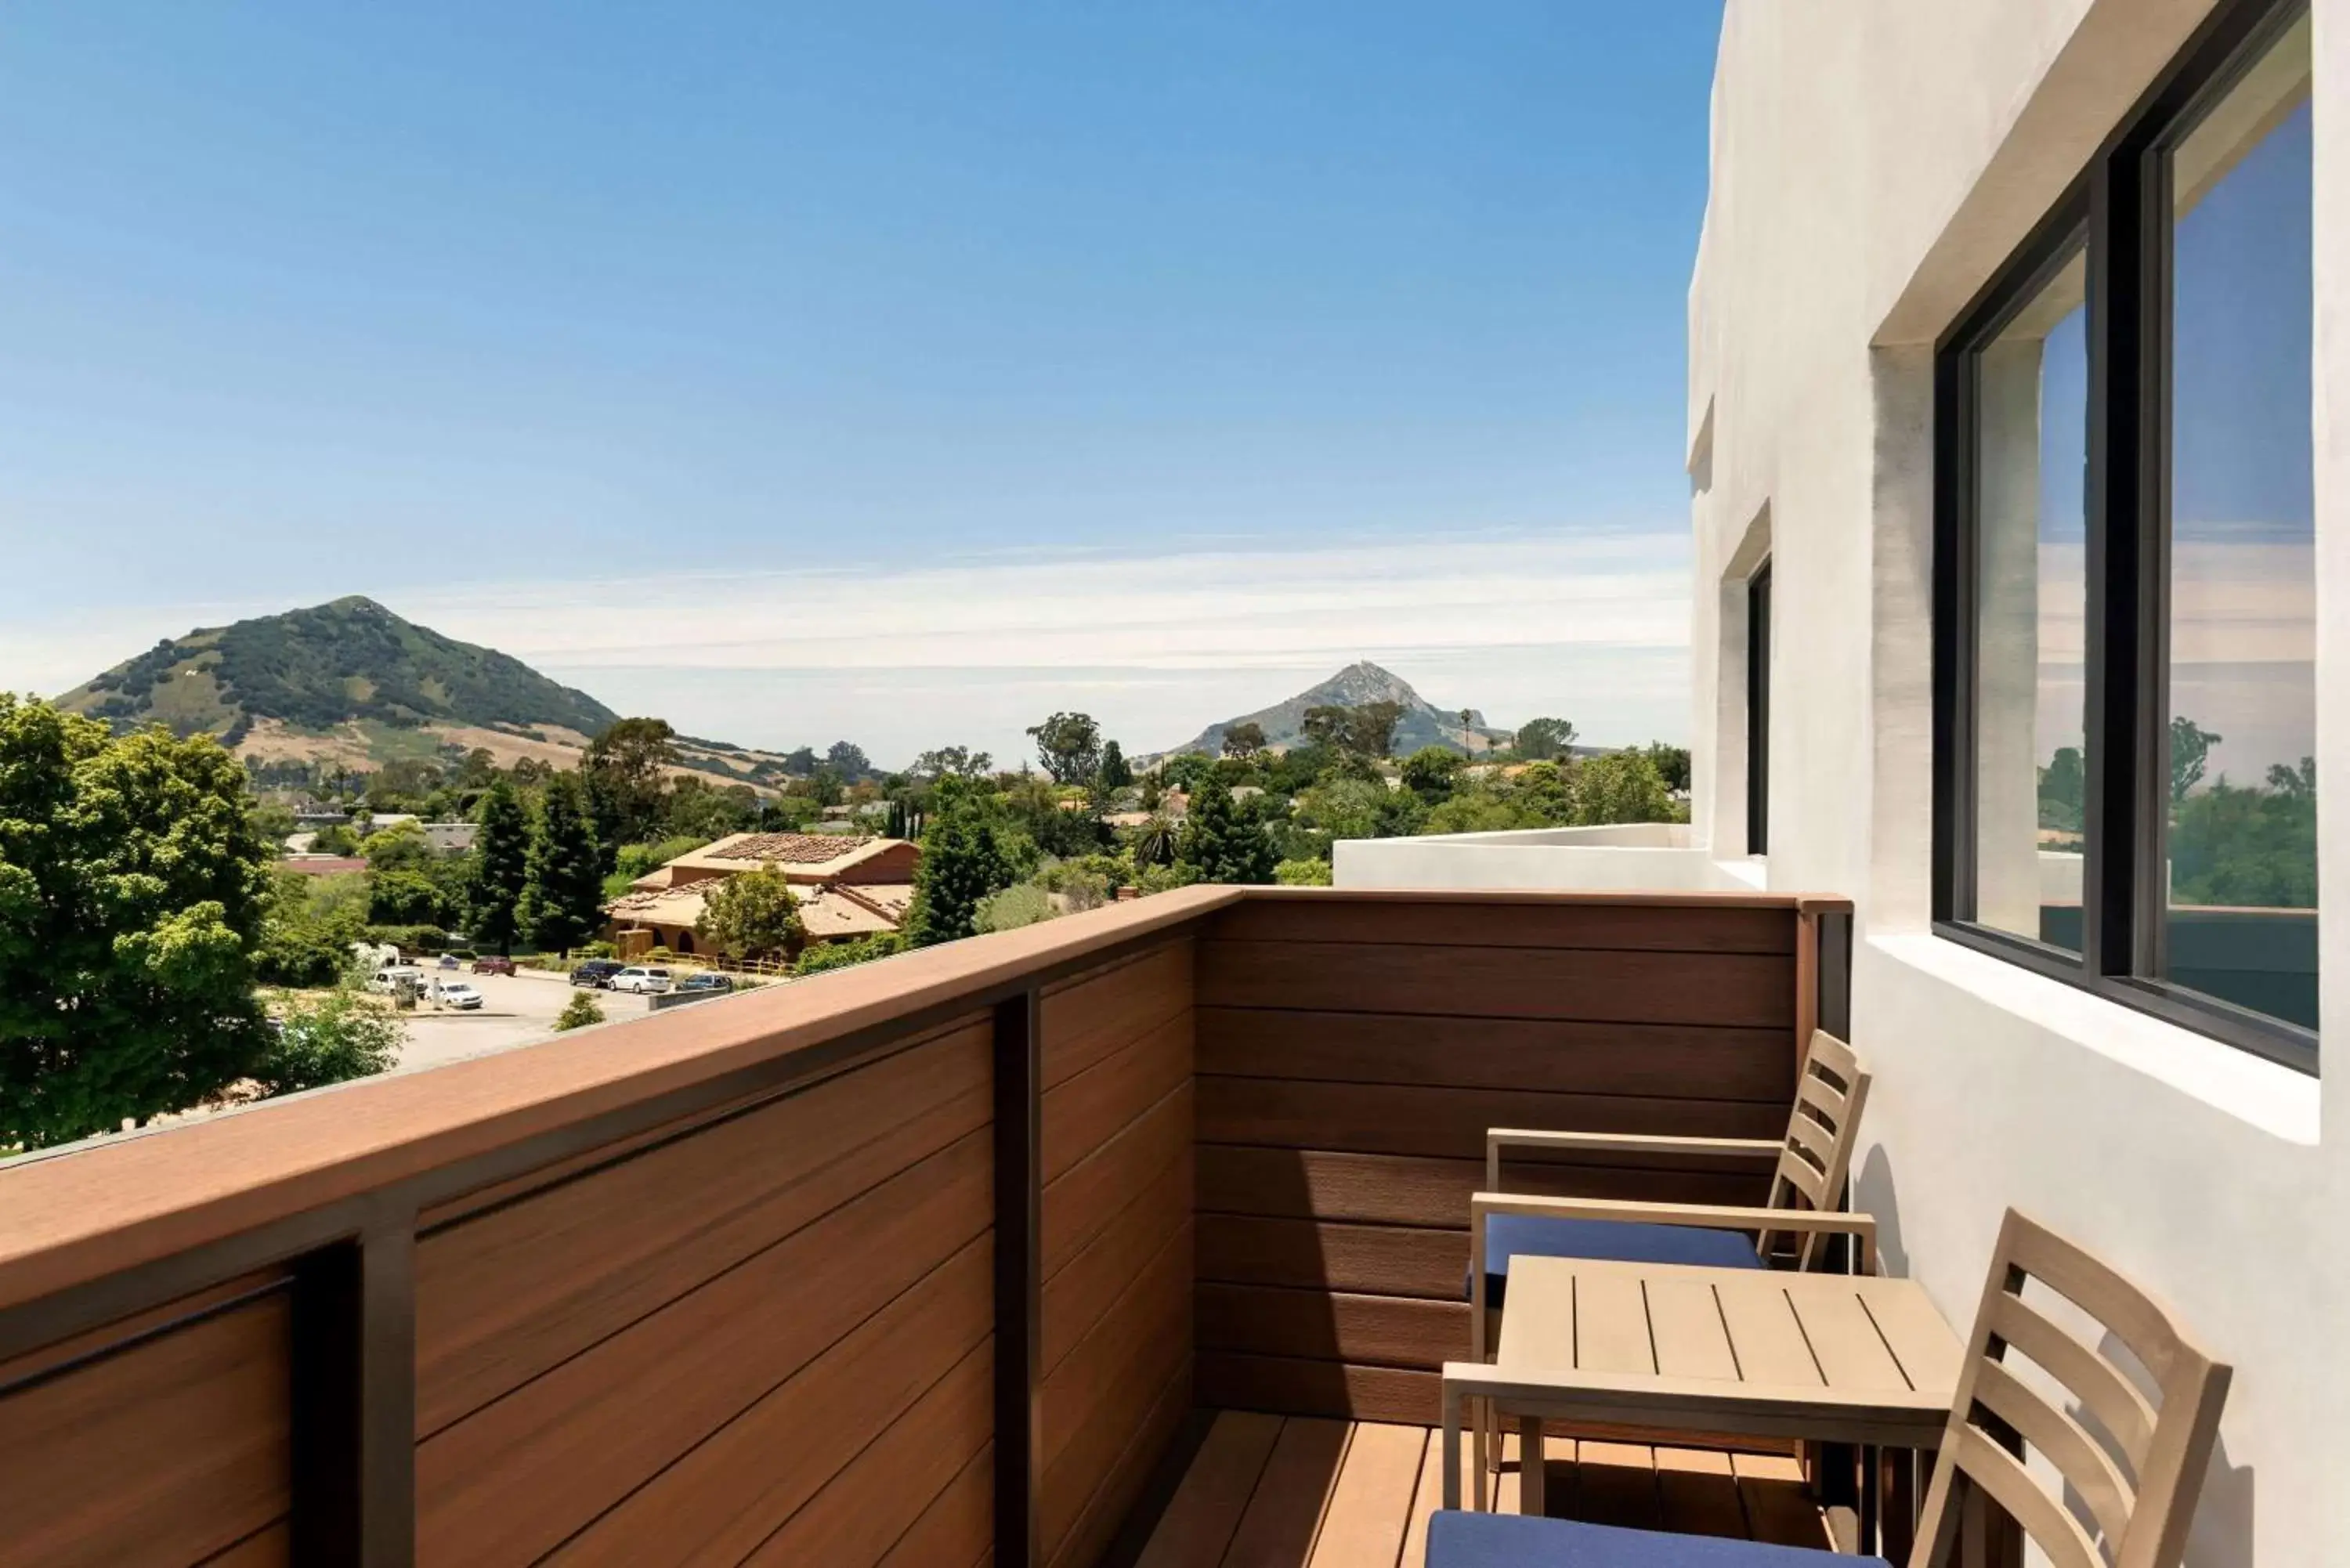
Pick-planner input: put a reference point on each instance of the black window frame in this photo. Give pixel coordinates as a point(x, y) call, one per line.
point(1758, 709)
point(2120, 208)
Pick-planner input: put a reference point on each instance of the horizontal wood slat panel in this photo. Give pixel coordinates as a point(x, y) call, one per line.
point(1156, 1306)
point(1741, 990)
point(1670, 1061)
point(1085, 1539)
point(861, 1515)
point(1408, 1190)
point(1621, 926)
point(1228, 1382)
point(269, 1548)
point(1092, 1192)
point(1382, 1259)
point(1075, 1297)
point(1322, 1326)
point(1086, 1111)
point(1378, 1118)
point(1087, 1019)
point(502, 1296)
point(1087, 1426)
point(510, 1481)
point(162, 1454)
point(955, 1529)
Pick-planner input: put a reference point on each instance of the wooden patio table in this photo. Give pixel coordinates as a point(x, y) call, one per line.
point(1854, 1359)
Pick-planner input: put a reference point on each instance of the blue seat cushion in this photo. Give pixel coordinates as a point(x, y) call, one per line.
point(1458, 1540)
point(1614, 1241)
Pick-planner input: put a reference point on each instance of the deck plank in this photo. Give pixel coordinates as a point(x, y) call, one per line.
point(1428, 1496)
point(1615, 1483)
point(1206, 1510)
point(1778, 1510)
point(1371, 1505)
point(1285, 1514)
point(1697, 1492)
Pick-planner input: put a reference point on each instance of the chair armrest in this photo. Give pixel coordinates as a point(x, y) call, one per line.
point(1862, 1228)
point(1499, 1138)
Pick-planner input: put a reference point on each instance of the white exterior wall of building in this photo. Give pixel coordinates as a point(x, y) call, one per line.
point(1873, 166)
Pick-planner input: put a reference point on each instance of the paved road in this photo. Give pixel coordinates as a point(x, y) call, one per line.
point(516, 1011)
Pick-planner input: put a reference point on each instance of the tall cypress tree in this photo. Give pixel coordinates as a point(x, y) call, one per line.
point(501, 868)
point(563, 887)
point(962, 864)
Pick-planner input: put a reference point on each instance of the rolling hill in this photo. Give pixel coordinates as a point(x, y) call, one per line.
point(353, 684)
point(1422, 723)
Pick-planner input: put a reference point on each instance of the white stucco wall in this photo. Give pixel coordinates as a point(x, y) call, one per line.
point(1873, 166)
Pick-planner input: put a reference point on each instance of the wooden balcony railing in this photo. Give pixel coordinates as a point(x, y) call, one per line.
point(911, 1264)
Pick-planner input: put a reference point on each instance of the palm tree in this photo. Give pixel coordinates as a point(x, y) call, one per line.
point(1154, 841)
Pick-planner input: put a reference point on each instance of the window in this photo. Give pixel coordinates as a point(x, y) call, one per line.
point(1757, 710)
point(2125, 612)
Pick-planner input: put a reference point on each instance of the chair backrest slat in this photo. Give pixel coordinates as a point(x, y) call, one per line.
point(2108, 1396)
point(2141, 1520)
point(2102, 1486)
point(2003, 1478)
point(1822, 1125)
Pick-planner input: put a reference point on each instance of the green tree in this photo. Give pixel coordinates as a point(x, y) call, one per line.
point(1069, 745)
point(2190, 751)
point(1244, 741)
point(2064, 787)
point(1672, 765)
point(404, 899)
point(400, 848)
point(963, 862)
point(330, 1040)
point(953, 761)
point(625, 770)
point(581, 1011)
point(822, 956)
point(1220, 842)
point(752, 916)
point(1541, 740)
point(849, 761)
point(501, 869)
point(1368, 730)
point(1009, 908)
point(1303, 873)
point(1117, 772)
point(1431, 773)
point(563, 882)
point(2249, 847)
point(1156, 841)
point(1621, 786)
point(133, 890)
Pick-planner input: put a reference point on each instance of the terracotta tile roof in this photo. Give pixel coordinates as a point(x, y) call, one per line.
point(892, 900)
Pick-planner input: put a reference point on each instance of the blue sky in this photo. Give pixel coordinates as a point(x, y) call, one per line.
point(497, 313)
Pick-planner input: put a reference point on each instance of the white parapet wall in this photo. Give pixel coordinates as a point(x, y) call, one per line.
point(1642, 856)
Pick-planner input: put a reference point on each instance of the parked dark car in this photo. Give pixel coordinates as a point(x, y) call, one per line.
point(704, 984)
point(493, 965)
point(597, 973)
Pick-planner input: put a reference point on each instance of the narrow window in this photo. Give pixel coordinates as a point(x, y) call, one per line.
point(1757, 710)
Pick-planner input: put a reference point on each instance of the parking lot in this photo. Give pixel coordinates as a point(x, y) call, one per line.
point(516, 1009)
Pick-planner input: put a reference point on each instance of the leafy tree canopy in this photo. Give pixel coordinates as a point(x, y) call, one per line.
point(953, 761)
point(330, 1040)
point(563, 885)
point(1069, 745)
point(132, 889)
point(1244, 741)
point(1431, 773)
point(1117, 772)
point(1220, 842)
point(752, 916)
point(501, 869)
point(848, 760)
point(1540, 740)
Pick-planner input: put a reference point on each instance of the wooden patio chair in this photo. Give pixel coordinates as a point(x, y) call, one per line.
point(2131, 1462)
point(1806, 1193)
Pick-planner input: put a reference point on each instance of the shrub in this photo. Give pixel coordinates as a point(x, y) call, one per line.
point(842, 955)
point(336, 1038)
point(1009, 908)
point(1303, 873)
point(579, 1012)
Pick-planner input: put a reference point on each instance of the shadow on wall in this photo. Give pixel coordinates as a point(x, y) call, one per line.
point(1873, 1193)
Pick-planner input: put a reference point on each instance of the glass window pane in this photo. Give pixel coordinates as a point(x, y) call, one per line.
point(2030, 597)
point(2241, 921)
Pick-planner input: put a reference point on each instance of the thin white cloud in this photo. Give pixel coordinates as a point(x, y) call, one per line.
point(1592, 625)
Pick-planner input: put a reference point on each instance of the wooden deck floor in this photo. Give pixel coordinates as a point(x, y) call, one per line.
point(1269, 1492)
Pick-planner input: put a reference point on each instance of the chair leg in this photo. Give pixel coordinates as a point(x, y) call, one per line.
point(1533, 1473)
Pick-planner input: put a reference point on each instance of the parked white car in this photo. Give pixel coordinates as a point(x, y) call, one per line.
point(640, 980)
point(458, 994)
point(388, 981)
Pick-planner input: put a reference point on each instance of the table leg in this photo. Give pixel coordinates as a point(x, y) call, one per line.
point(1903, 1472)
point(1872, 1476)
point(1531, 1471)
